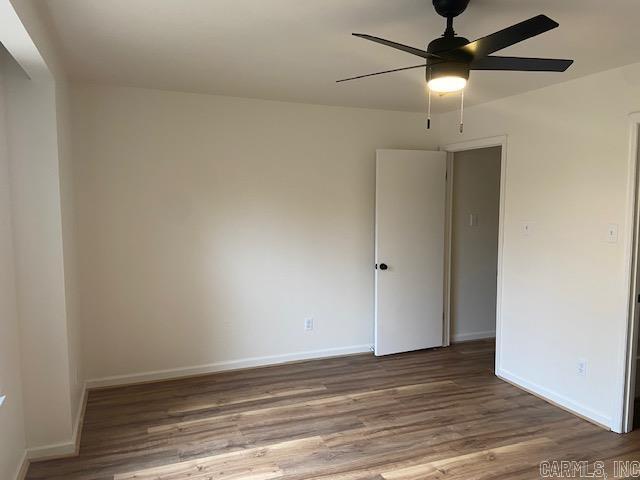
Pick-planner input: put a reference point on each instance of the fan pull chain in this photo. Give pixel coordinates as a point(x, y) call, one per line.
point(429, 112)
point(462, 111)
point(428, 75)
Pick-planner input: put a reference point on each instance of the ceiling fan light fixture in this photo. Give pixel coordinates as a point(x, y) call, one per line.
point(447, 84)
point(447, 77)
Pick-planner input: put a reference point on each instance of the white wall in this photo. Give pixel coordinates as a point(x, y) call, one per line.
point(39, 150)
point(68, 222)
point(210, 227)
point(32, 141)
point(474, 252)
point(12, 432)
point(36, 26)
point(563, 286)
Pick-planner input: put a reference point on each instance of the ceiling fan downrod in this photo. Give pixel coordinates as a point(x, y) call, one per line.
point(449, 31)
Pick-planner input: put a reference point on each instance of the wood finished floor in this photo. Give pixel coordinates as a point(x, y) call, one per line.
point(438, 414)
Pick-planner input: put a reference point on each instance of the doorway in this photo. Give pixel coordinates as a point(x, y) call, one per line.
point(474, 214)
point(499, 142)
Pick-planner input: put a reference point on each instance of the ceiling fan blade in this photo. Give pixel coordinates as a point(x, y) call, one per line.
point(380, 73)
point(522, 64)
point(509, 36)
point(398, 46)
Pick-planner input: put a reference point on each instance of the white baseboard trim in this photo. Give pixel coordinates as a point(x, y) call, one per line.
point(79, 420)
point(223, 366)
point(64, 449)
point(557, 399)
point(50, 452)
point(21, 473)
point(466, 337)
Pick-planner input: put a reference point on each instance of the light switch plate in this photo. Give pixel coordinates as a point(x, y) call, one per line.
point(612, 233)
point(473, 219)
point(582, 368)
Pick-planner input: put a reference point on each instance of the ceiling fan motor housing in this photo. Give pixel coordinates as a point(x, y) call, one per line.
point(450, 45)
point(456, 65)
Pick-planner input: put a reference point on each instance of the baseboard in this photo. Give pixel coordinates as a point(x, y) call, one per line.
point(64, 449)
point(51, 452)
point(21, 473)
point(79, 420)
point(557, 399)
point(466, 337)
point(251, 362)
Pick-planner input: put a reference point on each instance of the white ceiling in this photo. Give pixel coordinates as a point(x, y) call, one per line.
point(295, 49)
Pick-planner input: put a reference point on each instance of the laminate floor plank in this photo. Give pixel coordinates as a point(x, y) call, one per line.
point(438, 413)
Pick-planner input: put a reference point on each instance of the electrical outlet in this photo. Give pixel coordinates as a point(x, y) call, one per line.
point(582, 367)
point(308, 324)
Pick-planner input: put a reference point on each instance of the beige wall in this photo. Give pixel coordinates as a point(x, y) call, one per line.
point(474, 252)
point(47, 62)
point(68, 222)
point(210, 227)
point(564, 296)
point(12, 434)
point(37, 150)
point(35, 198)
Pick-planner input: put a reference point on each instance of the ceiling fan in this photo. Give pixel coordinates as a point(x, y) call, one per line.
point(449, 58)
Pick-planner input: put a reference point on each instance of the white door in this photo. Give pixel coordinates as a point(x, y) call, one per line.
point(410, 218)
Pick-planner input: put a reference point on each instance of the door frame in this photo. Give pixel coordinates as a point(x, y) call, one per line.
point(623, 420)
point(497, 141)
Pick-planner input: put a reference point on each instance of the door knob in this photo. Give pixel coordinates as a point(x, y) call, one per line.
point(383, 266)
